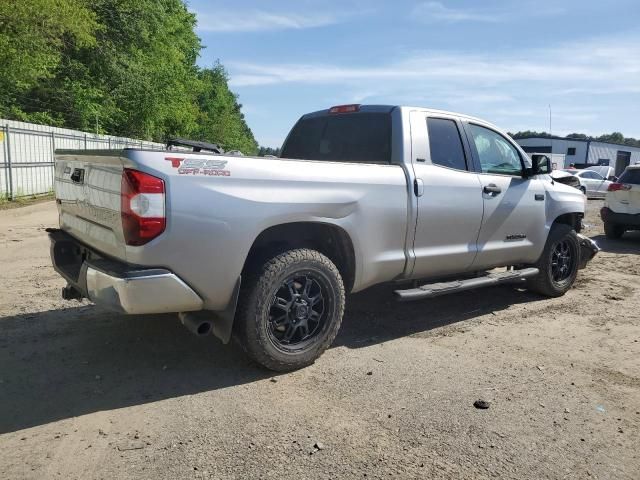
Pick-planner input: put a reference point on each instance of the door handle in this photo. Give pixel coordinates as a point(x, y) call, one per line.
point(492, 189)
point(418, 187)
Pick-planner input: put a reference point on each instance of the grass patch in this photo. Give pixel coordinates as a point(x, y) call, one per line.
point(23, 201)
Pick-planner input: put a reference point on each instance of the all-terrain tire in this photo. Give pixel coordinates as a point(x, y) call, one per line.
point(253, 326)
point(549, 281)
point(613, 231)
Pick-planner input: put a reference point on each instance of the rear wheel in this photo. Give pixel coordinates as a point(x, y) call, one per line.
point(613, 231)
point(291, 310)
point(558, 263)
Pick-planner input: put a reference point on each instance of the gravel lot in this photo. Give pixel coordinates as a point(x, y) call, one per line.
point(85, 393)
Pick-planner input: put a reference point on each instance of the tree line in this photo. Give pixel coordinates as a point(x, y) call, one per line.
point(121, 67)
point(615, 137)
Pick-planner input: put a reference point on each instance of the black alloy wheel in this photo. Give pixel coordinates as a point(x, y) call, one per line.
point(563, 258)
point(297, 312)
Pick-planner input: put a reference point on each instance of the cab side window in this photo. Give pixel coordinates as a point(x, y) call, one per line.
point(496, 154)
point(445, 144)
point(592, 175)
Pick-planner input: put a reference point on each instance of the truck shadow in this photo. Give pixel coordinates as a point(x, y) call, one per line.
point(374, 316)
point(65, 363)
point(629, 243)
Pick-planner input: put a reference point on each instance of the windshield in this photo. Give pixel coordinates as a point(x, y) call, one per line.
point(354, 137)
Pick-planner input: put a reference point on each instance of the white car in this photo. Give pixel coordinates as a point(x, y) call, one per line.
point(621, 211)
point(592, 183)
point(606, 171)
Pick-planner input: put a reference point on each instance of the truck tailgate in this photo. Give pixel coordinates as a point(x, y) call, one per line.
point(87, 186)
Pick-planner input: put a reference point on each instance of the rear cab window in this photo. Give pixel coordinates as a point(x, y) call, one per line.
point(361, 137)
point(631, 176)
point(445, 143)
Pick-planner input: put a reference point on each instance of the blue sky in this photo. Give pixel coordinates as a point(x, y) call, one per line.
point(502, 61)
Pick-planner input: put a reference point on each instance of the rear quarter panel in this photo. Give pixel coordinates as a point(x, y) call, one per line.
point(213, 220)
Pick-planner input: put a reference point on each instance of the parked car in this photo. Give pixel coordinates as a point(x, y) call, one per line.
point(566, 178)
point(621, 210)
point(605, 171)
point(265, 249)
point(592, 184)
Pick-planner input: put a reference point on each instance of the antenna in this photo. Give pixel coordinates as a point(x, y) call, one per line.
point(550, 134)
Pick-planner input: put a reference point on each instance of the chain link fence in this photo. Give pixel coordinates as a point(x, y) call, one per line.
point(26, 154)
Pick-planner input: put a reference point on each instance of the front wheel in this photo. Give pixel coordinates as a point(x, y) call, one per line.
point(291, 310)
point(558, 263)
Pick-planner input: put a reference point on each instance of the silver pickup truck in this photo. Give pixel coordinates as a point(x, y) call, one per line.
point(264, 250)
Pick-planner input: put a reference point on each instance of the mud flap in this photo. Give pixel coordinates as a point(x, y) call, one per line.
point(223, 323)
point(221, 320)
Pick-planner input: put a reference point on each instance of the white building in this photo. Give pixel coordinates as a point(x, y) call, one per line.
point(582, 153)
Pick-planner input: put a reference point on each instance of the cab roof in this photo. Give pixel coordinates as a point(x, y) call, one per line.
point(388, 109)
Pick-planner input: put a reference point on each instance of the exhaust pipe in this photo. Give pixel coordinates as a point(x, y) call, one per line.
point(196, 324)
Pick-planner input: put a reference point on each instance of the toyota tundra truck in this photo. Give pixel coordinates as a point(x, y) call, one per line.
point(264, 250)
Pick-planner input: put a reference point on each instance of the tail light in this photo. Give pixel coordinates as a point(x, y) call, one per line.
point(345, 108)
point(142, 201)
point(614, 187)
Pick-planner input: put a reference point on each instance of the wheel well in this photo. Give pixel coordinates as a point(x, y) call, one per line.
point(574, 220)
point(330, 240)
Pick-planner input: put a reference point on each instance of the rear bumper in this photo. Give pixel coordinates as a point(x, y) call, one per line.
point(117, 285)
point(626, 219)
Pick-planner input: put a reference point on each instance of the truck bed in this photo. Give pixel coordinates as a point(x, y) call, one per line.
point(217, 205)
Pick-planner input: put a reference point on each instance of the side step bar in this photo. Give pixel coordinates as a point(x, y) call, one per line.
point(436, 289)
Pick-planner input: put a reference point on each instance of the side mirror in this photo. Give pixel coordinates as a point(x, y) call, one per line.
point(540, 164)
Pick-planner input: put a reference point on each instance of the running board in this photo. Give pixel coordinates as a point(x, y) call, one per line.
point(436, 289)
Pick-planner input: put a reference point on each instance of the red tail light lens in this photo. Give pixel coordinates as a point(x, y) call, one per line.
point(345, 108)
point(142, 198)
point(614, 187)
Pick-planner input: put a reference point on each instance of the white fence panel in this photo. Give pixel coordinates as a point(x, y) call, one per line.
point(26, 154)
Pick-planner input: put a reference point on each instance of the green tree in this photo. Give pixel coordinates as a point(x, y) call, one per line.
point(221, 118)
point(124, 67)
point(269, 151)
point(615, 137)
point(529, 133)
point(578, 136)
point(33, 36)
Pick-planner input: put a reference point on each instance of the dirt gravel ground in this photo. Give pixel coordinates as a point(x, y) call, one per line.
point(87, 394)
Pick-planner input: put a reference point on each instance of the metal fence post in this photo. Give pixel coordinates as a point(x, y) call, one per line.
point(85, 141)
point(53, 158)
point(4, 165)
point(9, 172)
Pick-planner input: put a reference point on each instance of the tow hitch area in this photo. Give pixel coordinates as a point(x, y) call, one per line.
point(442, 288)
